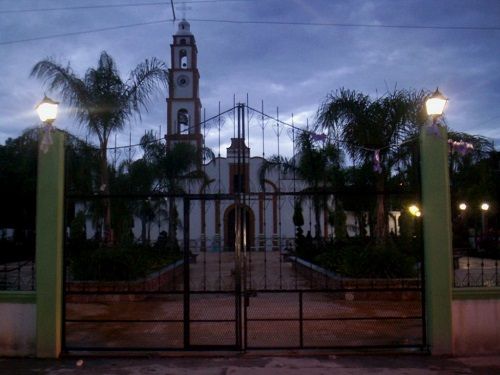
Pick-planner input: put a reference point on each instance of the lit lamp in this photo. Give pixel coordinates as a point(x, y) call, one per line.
point(435, 104)
point(47, 111)
point(462, 206)
point(414, 210)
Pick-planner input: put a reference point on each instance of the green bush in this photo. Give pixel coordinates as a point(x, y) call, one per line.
point(363, 259)
point(118, 263)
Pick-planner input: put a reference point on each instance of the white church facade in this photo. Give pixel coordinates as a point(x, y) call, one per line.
point(268, 203)
point(267, 215)
point(235, 181)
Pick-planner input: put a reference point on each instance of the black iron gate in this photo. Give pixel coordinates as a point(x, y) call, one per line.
point(260, 294)
point(235, 269)
point(257, 294)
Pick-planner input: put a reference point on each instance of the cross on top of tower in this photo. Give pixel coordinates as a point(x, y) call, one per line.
point(184, 8)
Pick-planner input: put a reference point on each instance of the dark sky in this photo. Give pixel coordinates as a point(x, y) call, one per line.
point(287, 53)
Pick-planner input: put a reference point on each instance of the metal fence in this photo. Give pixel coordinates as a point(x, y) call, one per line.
point(216, 289)
point(17, 259)
point(17, 276)
point(476, 249)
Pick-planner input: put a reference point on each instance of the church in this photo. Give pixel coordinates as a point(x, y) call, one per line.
point(267, 219)
point(236, 183)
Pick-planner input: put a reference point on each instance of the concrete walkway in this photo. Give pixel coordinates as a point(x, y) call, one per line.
point(248, 365)
point(260, 270)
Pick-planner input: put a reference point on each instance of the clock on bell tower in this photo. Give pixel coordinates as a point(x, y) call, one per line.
point(183, 102)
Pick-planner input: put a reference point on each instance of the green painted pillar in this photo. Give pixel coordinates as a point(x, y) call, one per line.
point(436, 209)
point(49, 248)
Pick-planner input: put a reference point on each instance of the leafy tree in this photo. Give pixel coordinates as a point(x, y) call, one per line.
point(102, 102)
point(317, 165)
point(175, 169)
point(369, 129)
point(18, 174)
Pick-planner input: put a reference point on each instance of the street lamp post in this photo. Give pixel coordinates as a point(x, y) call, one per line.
point(484, 209)
point(49, 233)
point(437, 235)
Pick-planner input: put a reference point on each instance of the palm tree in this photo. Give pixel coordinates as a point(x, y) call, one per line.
point(369, 129)
point(318, 167)
point(102, 102)
point(176, 168)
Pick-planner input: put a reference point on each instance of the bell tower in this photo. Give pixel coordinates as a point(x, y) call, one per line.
point(183, 102)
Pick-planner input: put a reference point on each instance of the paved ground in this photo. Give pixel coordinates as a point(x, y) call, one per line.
point(276, 317)
point(248, 365)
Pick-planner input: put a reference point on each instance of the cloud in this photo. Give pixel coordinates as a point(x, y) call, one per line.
point(290, 67)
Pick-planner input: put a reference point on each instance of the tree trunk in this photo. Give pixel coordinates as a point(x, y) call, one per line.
point(317, 216)
point(380, 232)
point(104, 189)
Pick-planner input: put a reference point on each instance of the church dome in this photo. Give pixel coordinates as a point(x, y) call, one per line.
point(183, 28)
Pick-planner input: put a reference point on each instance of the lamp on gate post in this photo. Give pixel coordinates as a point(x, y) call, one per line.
point(437, 234)
point(414, 210)
point(435, 104)
point(47, 111)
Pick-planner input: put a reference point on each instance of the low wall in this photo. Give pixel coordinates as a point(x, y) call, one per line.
point(359, 289)
point(17, 324)
point(475, 321)
point(115, 291)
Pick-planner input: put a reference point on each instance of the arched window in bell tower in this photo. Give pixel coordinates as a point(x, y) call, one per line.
point(182, 121)
point(183, 59)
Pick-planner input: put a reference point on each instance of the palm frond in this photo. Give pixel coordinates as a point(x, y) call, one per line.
point(72, 90)
point(144, 80)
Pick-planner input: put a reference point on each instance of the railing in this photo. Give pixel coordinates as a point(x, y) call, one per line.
point(18, 276)
point(215, 243)
point(476, 269)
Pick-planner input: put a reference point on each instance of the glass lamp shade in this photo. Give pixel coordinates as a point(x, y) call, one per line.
point(485, 207)
point(414, 210)
point(47, 109)
point(435, 104)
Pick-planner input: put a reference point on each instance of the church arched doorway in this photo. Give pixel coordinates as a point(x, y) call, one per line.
point(248, 227)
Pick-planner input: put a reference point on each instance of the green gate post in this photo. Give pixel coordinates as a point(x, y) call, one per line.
point(437, 239)
point(49, 248)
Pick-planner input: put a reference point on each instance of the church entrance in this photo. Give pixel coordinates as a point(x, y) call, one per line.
point(247, 227)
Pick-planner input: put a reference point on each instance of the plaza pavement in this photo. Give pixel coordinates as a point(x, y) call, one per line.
point(272, 313)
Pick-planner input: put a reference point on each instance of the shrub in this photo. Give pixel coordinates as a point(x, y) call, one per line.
point(118, 263)
point(360, 258)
